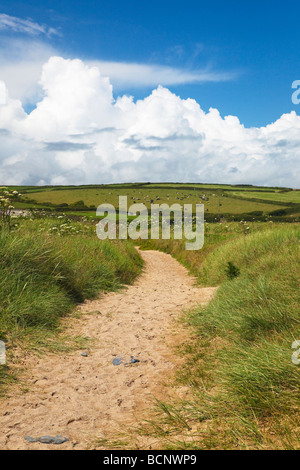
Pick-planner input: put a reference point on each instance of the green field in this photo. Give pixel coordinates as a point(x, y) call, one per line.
point(219, 200)
point(286, 197)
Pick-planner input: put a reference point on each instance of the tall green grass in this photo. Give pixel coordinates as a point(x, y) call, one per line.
point(215, 235)
point(44, 273)
point(258, 315)
point(239, 365)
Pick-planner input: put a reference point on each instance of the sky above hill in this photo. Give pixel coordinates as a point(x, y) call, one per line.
point(101, 91)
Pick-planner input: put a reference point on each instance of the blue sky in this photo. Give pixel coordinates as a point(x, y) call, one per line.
point(114, 91)
point(258, 42)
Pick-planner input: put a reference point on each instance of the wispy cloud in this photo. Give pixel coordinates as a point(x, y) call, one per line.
point(19, 25)
point(21, 62)
point(124, 74)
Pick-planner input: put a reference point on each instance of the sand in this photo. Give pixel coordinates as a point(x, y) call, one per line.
point(89, 398)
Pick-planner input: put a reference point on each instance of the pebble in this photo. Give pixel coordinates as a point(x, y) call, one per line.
point(57, 440)
point(121, 360)
point(117, 361)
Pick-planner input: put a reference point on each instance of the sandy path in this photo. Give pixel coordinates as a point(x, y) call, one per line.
point(84, 398)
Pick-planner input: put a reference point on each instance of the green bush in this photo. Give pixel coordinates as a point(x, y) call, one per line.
point(232, 271)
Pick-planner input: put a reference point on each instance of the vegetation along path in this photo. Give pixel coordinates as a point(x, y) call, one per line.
point(112, 388)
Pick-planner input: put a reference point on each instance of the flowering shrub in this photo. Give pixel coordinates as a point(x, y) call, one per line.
point(66, 229)
point(6, 205)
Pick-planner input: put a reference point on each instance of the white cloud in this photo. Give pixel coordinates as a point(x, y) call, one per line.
point(79, 133)
point(3, 93)
point(21, 65)
point(124, 74)
point(18, 25)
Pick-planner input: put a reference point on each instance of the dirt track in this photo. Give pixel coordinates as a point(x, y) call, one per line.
point(83, 398)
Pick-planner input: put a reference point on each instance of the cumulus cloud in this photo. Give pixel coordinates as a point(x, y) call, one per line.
point(21, 64)
point(3, 93)
point(81, 133)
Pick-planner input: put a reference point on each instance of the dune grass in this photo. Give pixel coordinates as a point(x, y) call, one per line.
point(49, 266)
point(238, 366)
point(216, 234)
